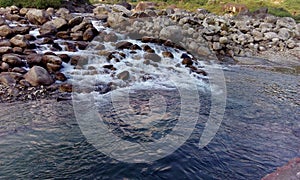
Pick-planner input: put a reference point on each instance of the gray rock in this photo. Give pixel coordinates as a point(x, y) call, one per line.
point(284, 34)
point(258, 36)
point(223, 40)
point(38, 76)
point(216, 46)
point(173, 33)
point(47, 29)
point(101, 10)
point(270, 35)
point(124, 75)
point(287, 22)
point(59, 23)
point(122, 9)
point(153, 57)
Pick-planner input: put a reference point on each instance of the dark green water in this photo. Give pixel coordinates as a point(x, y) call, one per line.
point(260, 131)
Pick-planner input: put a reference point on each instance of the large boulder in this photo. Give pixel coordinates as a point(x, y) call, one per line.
point(37, 75)
point(20, 41)
point(37, 16)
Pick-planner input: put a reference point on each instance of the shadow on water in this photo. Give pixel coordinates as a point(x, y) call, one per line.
point(259, 132)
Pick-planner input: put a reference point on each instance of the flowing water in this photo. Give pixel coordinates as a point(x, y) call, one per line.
point(259, 131)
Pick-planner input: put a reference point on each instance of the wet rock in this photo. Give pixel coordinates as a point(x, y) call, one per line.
point(148, 49)
point(66, 87)
point(21, 30)
point(153, 57)
point(110, 37)
point(47, 29)
point(13, 60)
point(75, 21)
point(135, 47)
point(187, 61)
point(70, 47)
point(59, 24)
point(19, 70)
point(53, 67)
point(109, 66)
point(123, 45)
point(198, 71)
point(20, 41)
point(80, 27)
point(7, 80)
point(37, 16)
point(51, 59)
point(34, 59)
point(82, 45)
point(6, 31)
point(5, 50)
point(17, 50)
point(78, 60)
point(99, 47)
point(60, 76)
point(89, 34)
point(38, 76)
point(63, 35)
point(77, 36)
point(13, 17)
point(167, 54)
point(124, 75)
point(64, 57)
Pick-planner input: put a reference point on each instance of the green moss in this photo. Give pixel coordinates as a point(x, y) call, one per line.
point(31, 3)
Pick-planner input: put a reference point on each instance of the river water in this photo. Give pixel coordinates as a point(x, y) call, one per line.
point(259, 132)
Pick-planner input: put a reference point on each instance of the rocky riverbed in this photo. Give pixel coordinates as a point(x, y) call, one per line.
point(36, 44)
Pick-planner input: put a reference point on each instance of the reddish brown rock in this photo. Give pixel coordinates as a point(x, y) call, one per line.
point(13, 60)
point(20, 41)
point(6, 31)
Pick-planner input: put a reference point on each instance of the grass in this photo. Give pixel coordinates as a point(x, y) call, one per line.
point(31, 3)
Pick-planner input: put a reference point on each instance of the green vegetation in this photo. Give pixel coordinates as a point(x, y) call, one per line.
point(290, 8)
point(31, 3)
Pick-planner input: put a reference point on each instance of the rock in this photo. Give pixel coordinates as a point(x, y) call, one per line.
point(124, 75)
point(89, 34)
point(17, 50)
point(126, 5)
point(101, 10)
point(34, 59)
point(13, 17)
point(47, 29)
point(148, 49)
point(216, 46)
point(4, 42)
point(110, 37)
point(64, 57)
point(291, 44)
point(77, 36)
point(153, 57)
point(109, 66)
point(4, 66)
point(243, 26)
point(284, 34)
point(37, 16)
point(19, 70)
point(173, 33)
point(5, 50)
point(60, 76)
point(6, 31)
point(20, 41)
point(123, 45)
point(142, 6)
point(187, 61)
point(167, 54)
point(7, 79)
point(80, 27)
point(78, 60)
point(63, 35)
point(286, 22)
point(66, 87)
point(75, 21)
point(289, 171)
point(135, 47)
point(258, 36)
point(51, 59)
point(23, 11)
point(21, 30)
point(62, 12)
point(223, 40)
point(118, 8)
point(59, 24)
point(53, 67)
point(270, 35)
point(13, 60)
point(82, 45)
point(38, 76)
point(70, 46)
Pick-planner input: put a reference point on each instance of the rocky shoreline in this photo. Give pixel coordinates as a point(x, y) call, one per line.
point(29, 72)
